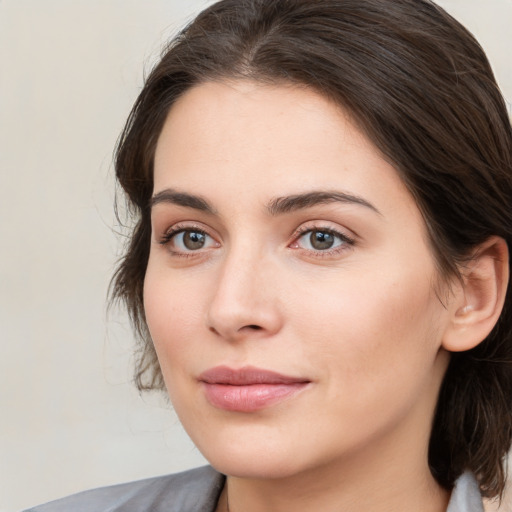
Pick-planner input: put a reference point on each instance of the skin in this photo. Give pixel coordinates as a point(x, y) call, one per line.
point(361, 321)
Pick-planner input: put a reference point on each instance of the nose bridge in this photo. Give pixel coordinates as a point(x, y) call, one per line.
point(243, 301)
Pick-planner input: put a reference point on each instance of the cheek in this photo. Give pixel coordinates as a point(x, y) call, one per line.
point(173, 311)
point(373, 332)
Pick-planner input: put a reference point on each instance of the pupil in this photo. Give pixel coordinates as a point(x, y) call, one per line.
point(193, 240)
point(321, 240)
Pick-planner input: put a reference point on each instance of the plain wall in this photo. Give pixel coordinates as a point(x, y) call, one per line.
point(70, 71)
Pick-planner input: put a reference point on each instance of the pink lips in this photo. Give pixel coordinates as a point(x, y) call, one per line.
point(248, 389)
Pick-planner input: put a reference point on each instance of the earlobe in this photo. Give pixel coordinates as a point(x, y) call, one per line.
point(479, 298)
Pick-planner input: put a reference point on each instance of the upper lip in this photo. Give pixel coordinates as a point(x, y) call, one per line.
point(246, 376)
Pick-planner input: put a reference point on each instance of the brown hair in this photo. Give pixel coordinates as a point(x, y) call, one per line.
point(421, 88)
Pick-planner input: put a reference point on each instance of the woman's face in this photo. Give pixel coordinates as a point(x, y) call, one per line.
point(290, 290)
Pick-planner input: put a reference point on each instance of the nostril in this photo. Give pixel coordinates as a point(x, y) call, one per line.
point(252, 327)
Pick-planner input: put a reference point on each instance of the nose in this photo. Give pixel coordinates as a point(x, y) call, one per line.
point(246, 300)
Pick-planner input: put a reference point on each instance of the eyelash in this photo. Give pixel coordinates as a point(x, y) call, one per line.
point(346, 240)
point(168, 236)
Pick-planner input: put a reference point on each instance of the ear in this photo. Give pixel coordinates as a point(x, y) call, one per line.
point(478, 300)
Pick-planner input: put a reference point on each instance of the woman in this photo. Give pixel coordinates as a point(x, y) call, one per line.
point(319, 270)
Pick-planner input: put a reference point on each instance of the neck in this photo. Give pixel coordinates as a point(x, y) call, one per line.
point(390, 474)
point(349, 491)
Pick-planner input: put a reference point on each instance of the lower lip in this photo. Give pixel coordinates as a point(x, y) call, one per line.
point(250, 398)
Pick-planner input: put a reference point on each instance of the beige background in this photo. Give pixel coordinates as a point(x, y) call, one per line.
point(70, 70)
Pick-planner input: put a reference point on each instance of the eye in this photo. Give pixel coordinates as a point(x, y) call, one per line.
point(186, 240)
point(190, 240)
point(320, 240)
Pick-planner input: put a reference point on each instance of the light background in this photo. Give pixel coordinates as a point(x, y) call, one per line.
point(69, 73)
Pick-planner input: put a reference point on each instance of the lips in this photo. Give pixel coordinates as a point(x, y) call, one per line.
point(248, 389)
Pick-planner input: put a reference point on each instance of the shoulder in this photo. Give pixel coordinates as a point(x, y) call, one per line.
point(194, 490)
point(466, 495)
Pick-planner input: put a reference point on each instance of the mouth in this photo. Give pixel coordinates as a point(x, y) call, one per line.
point(248, 389)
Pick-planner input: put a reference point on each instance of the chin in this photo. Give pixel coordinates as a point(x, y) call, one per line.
point(255, 467)
point(257, 454)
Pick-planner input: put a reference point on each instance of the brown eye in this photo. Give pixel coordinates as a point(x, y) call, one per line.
point(321, 240)
point(188, 240)
point(194, 240)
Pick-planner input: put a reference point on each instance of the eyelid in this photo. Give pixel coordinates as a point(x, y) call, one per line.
point(346, 237)
point(169, 228)
point(166, 238)
point(348, 240)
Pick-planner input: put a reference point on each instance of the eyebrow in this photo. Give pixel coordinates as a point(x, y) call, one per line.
point(276, 206)
point(302, 201)
point(171, 196)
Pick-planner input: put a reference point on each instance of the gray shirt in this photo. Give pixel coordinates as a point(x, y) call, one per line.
point(198, 490)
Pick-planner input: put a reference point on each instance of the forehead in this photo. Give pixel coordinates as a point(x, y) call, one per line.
point(249, 115)
point(249, 139)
